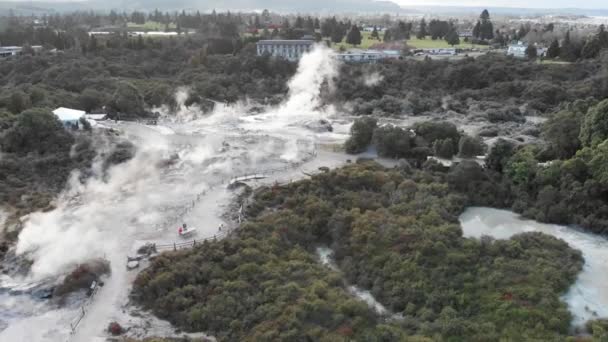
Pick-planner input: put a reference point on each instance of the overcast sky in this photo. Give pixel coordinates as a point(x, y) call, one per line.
point(596, 4)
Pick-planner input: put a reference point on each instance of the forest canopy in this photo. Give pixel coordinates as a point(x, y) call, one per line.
point(394, 233)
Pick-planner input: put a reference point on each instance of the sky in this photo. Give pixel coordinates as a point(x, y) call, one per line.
point(588, 4)
point(594, 4)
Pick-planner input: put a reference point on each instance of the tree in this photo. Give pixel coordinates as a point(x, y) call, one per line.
point(310, 25)
point(562, 132)
point(327, 27)
point(361, 133)
point(375, 34)
point(477, 30)
point(531, 51)
point(464, 174)
point(36, 130)
point(598, 164)
point(337, 34)
point(484, 29)
point(354, 36)
point(128, 99)
point(91, 99)
point(18, 102)
point(422, 31)
point(431, 131)
point(594, 129)
point(438, 29)
point(499, 155)
point(485, 15)
point(387, 36)
point(299, 22)
point(553, 50)
point(444, 148)
point(592, 48)
point(452, 37)
point(93, 46)
point(522, 32)
point(391, 141)
point(569, 50)
point(521, 167)
point(469, 147)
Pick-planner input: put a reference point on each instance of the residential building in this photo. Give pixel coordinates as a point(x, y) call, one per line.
point(70, 118)
point(465, 34)
point(371, 28)
point(517, 50)
point(291, 50)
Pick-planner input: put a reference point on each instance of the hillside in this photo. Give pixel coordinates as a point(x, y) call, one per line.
point(292, 6)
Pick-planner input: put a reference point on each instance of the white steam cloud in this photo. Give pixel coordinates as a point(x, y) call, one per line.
point(108, 213)
point(90, 219)
point(373, 80)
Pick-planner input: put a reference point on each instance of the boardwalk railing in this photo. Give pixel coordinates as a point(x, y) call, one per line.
point(260, 174)
point(189, 244)
point(83, 309)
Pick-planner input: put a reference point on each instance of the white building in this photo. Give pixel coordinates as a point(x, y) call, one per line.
point(289, 49)
point(8, 51)
point(441, 51)
point(70, 118)
point(379, 29)
point(517, 50)
point(368, 56)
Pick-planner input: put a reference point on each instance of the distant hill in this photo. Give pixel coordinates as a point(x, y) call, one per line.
point(281, 6)
point(291, 6)
point(511, 11)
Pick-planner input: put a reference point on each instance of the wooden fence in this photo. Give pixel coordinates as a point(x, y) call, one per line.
point(189, 244)
point(260, 174)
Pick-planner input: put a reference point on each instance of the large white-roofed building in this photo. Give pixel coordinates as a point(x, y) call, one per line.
point(70, 118)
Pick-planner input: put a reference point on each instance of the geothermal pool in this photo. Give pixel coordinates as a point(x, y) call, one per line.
point(588, 296)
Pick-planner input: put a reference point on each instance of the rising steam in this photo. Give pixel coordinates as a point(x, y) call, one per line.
point(105, 214)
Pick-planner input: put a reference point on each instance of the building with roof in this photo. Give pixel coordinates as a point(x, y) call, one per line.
point(70, 118)
point(291, 50)
point(367, 56)
point(517, 50)
point(9, 51)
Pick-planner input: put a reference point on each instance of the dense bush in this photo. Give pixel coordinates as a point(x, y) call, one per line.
point(392, 141)
point(134, 81)
point(414, 87)
point(392, 233)
point(39, 154)
point(361, 134)
point(470, 147)
point(38, 131)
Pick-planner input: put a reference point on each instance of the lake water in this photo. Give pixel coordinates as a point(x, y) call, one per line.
point(588, 297)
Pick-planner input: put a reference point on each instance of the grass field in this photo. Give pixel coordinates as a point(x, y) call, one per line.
point(428, 43)
point(415, 43)
point(366, 42)
point(552, 61)
point(150, 26)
